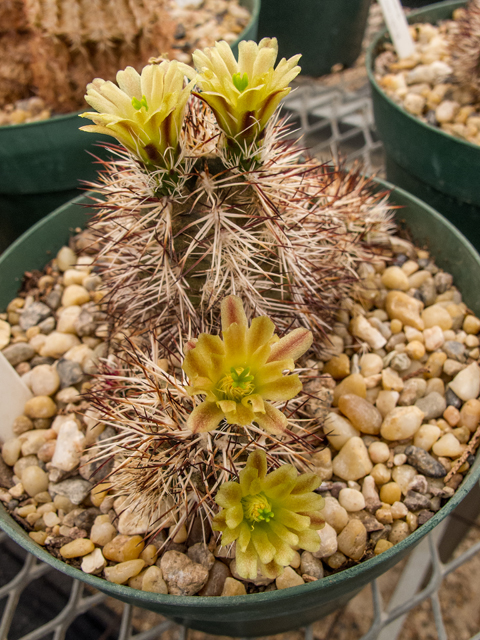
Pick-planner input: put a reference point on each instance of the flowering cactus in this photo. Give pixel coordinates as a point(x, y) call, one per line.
point(240, 373)
point(268, 515)
point(144, 112)
point(244, 94)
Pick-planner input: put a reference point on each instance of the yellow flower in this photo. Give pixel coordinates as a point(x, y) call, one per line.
point(244, 94)
point(239, 374)
point(267, 515)
point(144, 112)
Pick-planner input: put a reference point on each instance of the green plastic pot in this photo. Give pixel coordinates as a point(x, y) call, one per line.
point(325, 32)
point(42, 163)
point(433, 165)
point(277, 611)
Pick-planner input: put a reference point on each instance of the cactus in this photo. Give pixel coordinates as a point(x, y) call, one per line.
point(465, 47)
point(208, 201)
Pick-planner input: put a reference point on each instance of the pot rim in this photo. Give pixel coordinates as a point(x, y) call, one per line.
point(19, 535)
point(371, 55)
point(66, 116)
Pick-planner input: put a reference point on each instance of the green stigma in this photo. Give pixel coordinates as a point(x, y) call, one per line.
point(240, 82)
point(138, 104)
point(257, 508)
point(240, 380)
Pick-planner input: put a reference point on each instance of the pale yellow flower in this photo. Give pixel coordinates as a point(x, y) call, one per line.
point(241, 373)
point(244, 94)
point(144, 112)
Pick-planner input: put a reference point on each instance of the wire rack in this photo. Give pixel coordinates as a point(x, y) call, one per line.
point(334, 119)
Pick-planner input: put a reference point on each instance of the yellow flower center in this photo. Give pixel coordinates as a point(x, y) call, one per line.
point(257, 508)
point(237, 384)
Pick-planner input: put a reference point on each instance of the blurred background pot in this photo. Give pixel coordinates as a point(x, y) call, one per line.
point(276, 611)
point(325, 32)
point(438, 168)
point(43, 162)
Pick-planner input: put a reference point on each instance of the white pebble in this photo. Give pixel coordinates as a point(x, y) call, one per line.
point(448, 446)
point(69, 446)
point(44, 380)
point(351, 500)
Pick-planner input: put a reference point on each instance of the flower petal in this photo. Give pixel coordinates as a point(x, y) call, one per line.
point(273, 421)
point(260, 332)
point(244, 536)
point(278, 484)
point(306, 482)
point(258, 460)
point(229, 494)
point(293, 345)
point(205, 417)
point(305, 502)
point(282, 389)
point(292, 520)
point(234, 516)
point(265, 549)
point(232, 311)
point(309, 540)
point(255, 401)
point(246, 562)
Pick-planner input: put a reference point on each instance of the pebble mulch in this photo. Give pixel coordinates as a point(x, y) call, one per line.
point(424, 86)
point(398, 392)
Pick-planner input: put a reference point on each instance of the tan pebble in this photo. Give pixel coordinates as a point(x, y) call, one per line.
point(403, 476)
point(370, 364)
point(446, 111)
point(471, 324)
point(437, 316)
point(296, 560)
point(401, 423)
point(466, 384)
point(434, 364)
point(51, 519)
point(153, 581)
point(386, 401)
point(57, 344)
point(137, 581)
point(23, 463)
point(412, 521)
point(363, 415)
point(354, 383)
point(351, 500)
point(452, 415)
point(149, 554)
point(5, 333)
point(40, 407)
point(391, 381)
point(415, 350)
point(338, 367)
point(336, 560)
point(32, 443)
point(384, 514)
point(352, 462)
point(379, 452)
point(334, 514)
point(417, 279)
point(123, 548)
point(46, 451)
point(399, 459)
point(396, 326)
point(381, 474)
point(361, 328)
point(24, 511)
point(98, 493)
point(34, 480)
point(471, 341)
point(181, 535)
point(395, 278)
point(403, 307)
point(67, 319)
point(288, 578)
point(48, 507)
point(322, 463)
point(414, 103)
point(352, 540)
point(63, 503)
point(399, 510)
point(462, 434)
point(74, 276)
point(38, 536)
point(32, 518)
point(11, 450)
point(77, 548)
point(390, 493)
point(21, 424)
point(103, 531)
point(93, 562)
point(381, 546)
point(75, 294)
point(400, 530)
point(339, 430)
point(66, 258)
point(448, 446)
point(470, 414)
point(122, 572)
point(42, 497)
point(433, 338)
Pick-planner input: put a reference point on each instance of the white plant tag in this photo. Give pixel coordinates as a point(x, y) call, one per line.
point(186, 3)
point(398, 27)
point(15, 393)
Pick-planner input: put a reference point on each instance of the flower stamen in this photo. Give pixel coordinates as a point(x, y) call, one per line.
point(257, 508)
point(237, 384)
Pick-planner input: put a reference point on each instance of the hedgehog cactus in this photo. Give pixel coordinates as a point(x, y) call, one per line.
point(209, 201)
point(239, 210)
point(465, 47)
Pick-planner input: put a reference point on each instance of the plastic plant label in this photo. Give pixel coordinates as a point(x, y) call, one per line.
point(398, 27)
point(15, 394)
